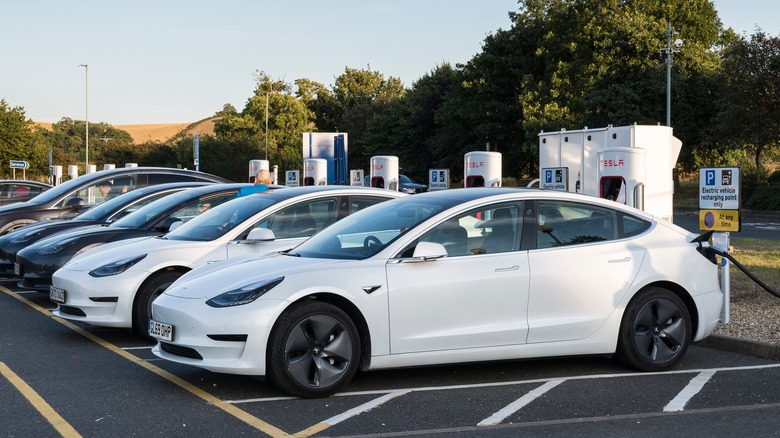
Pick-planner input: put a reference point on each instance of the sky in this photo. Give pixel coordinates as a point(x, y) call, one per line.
point(180, 61)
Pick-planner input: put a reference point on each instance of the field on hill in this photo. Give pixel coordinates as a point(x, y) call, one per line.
point(159, 132)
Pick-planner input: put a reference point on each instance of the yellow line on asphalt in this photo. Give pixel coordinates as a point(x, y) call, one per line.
point(59, 423)
point(227, 407)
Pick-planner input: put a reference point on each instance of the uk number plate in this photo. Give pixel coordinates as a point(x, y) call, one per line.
point(17, 269)
point(57, 295)
point(159, 330)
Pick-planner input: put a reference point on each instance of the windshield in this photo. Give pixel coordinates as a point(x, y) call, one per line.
point(56, 192)
point(365, 233)
point(151, 213)
point(216, 221)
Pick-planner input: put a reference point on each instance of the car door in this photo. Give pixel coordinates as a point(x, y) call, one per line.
point(475, 297)
point(582, 268)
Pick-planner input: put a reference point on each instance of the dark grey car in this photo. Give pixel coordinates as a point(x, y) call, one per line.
point(79, 194)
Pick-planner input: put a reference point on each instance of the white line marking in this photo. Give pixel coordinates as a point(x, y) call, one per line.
point(520, 403)
point(365, 407)
point(694, 387)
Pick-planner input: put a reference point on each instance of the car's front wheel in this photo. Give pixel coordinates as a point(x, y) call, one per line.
point(151, 289)
point(655, 332)
point(313, 350)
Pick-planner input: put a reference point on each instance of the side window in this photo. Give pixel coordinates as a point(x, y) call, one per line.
point(302, 220)
point(357, 203)
point(631, 226)
point(194, 208)
point(569, 223)
point(490, 230)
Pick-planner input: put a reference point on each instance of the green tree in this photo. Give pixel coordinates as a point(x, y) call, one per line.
point(21, 140)
point(750, 110)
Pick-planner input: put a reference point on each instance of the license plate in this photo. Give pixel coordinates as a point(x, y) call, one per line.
point(160, 330)
point(17, 269)
point(57, 295)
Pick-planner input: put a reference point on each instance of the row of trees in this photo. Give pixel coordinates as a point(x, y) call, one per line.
point(562, 64)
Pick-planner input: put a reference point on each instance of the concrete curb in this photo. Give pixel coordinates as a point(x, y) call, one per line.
point(745, 346)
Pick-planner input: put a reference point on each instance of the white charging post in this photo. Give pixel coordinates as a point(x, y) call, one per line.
point(719, 211)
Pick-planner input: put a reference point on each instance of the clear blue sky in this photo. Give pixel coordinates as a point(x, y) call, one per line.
point(177, 61)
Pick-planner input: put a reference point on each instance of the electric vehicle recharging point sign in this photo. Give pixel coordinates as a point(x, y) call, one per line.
point(555, 178)
point(719, 199)
point(438, 179)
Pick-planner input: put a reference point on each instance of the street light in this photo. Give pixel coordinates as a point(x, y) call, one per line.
point(86, 113)
point(671, 47)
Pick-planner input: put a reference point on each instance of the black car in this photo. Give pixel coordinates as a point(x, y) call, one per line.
point(36, 263)
point(405, 185)
point(107, 212)
point(14, 190)
point(79, 194)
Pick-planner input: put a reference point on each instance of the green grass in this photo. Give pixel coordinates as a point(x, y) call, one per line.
point(762, 258)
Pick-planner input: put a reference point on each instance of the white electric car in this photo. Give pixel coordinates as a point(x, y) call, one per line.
point(113, 285)
point(451, 276)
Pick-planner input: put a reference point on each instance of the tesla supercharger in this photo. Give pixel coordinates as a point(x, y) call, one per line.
point(73, 171)
point(255, 166)
point(482, 169)
point(109, 166)
point(621, 173)
point(56, 175)
point(384, 172)
point(131, 164)
point(315, 172)
point(91, 168)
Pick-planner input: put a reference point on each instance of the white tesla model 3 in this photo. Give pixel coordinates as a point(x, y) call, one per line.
point(453, 276)
point(114, 285)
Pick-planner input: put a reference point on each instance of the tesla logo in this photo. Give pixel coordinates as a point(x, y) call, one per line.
point(612, 163)
point(378, 166)
point(309, 168)
point(474, 165)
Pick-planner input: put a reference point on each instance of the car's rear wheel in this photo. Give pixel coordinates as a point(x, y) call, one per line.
point(151, 289)
point(313, 350)
point(655, 332)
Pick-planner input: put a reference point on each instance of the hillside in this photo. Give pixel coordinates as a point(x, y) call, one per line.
point(160, 131)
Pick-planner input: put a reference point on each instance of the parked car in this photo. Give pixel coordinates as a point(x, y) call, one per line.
point(450, 276)
point(115, 285)
point(105, 213)
point(405, 184)
point(13, 190)
point(79, 194)
point(36, 263)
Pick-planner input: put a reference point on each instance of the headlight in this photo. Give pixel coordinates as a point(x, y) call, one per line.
point(56, 247)
point(116, 267)
point(245, 294)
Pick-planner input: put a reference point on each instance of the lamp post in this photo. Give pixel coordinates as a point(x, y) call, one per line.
point(86, 113)
point(671, 48)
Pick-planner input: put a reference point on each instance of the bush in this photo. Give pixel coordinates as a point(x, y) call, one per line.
point(763, 197)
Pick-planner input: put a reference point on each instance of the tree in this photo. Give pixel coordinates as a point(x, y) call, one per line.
point(21, 140)
point(750, 109)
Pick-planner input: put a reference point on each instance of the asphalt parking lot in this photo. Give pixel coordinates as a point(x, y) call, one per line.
point(63, 379)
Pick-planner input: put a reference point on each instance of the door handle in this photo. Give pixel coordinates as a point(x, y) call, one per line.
point(623, 260)
point(511, 268)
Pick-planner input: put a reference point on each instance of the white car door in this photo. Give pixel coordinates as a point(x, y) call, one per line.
point(475, 297)
point(581, 271)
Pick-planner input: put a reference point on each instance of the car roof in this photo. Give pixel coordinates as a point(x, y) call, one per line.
point(24, 182)
point(290, 192)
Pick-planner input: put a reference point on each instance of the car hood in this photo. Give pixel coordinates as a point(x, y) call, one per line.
point(236, 275)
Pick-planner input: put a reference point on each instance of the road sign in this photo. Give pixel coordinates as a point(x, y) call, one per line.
point(719, 220)
point(719, 188)
point(17, 164)
point(555, 178)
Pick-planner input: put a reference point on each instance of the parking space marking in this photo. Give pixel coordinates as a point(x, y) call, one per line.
point(357, 410)
point(693, 388)
point(520, 403)
point(242, 415)
point(59, 423)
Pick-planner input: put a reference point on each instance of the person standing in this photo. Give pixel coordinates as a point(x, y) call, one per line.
point(262, 181)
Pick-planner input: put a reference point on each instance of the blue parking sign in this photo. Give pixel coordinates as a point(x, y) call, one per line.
point(548, 176)
point(709, 177)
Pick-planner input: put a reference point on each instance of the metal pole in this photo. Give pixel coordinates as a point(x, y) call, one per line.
point(266, 126)
point(669, 74)
point(86, 114)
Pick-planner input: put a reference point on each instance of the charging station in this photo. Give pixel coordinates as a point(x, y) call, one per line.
point(482, 169)
point(384, 172)
point(315, 172)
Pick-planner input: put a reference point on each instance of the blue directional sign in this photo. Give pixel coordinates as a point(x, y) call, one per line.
point(17, 164)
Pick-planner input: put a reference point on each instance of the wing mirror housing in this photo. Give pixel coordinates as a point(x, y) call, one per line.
point(261, 235)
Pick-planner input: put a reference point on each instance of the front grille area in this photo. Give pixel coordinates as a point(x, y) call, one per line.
point(75, 311)
point(180, 351)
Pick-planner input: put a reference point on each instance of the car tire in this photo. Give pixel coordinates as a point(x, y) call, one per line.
point(655, 332)
point(151, 289)
point(313, 350)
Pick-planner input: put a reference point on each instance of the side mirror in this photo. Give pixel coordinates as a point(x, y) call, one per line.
point(429, 251)
point(170, 224)
point(261, 235)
